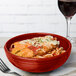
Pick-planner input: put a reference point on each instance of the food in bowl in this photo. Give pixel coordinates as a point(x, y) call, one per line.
point(37, 47)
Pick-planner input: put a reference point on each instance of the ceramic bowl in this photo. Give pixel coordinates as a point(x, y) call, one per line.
point(38, 65)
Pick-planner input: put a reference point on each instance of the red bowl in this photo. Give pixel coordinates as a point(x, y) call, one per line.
point(38, 65)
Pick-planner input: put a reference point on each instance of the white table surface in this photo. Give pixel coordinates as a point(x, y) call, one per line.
point(68, 69)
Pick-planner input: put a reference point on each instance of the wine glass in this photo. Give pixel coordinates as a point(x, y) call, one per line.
point(68, 9)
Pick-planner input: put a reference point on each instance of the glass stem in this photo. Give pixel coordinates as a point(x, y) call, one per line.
point(68, 19)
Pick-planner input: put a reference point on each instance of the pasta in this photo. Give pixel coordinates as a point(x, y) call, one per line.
point(38, 47)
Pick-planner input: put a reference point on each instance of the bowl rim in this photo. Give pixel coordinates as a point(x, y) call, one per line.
point(39, 59)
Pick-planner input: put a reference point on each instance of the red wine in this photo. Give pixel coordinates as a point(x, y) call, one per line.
point(67, 7)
